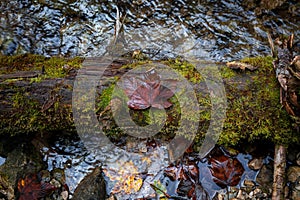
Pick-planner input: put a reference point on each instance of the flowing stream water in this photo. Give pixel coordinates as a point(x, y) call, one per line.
point(221, 30)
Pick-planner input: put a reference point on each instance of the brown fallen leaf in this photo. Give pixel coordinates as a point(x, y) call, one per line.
point(294, 99)
point(240, 65)
point(30, 188)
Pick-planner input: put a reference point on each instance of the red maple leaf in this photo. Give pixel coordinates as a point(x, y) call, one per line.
point(31, 189)
point(226, 170)
point(147, 91)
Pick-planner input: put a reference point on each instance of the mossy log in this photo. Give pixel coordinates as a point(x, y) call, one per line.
point(34, 101)
point(37, 101)
point(27, 106)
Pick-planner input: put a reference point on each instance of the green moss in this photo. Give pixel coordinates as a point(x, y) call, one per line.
point(254, 112)
point(55, 67)
point(185, 69)
point(22, 62)
point(27, 116)
point(105, 97)
point(226, 72)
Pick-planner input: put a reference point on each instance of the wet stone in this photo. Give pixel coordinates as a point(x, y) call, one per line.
point(265, 177)
point(257, 191)
point(249, 183)
point(22, 160)
point(59, 175)
point(55, 183)
point(64, 195)
point(293, 173)
point(240, 195)
point(91, 187)
point(256, 163)
point(45, 176)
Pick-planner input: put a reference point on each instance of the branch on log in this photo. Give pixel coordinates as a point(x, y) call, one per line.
point(287, 70)
point(279, 172)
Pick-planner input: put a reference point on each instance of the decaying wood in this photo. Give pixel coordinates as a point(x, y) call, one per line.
point(279, 172)
point(288, 73)
point(48, 93)
point(20, 74)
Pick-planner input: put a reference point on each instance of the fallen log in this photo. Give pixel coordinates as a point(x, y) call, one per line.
point(35, 102)
point(39, 103)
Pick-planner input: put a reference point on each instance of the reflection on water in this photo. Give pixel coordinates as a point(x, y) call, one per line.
point(71, 155)
point(224, 29)
point(2, 160)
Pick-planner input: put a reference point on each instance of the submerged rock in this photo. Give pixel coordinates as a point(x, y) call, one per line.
point(92, 187)
point(265, 178)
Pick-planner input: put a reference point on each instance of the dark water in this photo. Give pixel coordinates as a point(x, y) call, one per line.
point(216, 30)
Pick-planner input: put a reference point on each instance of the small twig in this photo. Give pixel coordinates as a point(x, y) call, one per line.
point(274, 54)
point(157, 188)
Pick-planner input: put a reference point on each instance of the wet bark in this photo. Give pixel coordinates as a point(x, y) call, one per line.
point(31, 102)
point(279, 172)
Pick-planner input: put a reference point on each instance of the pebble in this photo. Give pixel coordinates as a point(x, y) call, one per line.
point(64, 195)
point(45, 176)
point(240, 195)
point(249, 183)
point(257, 191)
point(256, 163)
point(55, 183)
point(59, 175)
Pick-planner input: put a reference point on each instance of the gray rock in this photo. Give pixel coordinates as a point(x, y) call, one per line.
point(92, 187)
point(265, 177)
